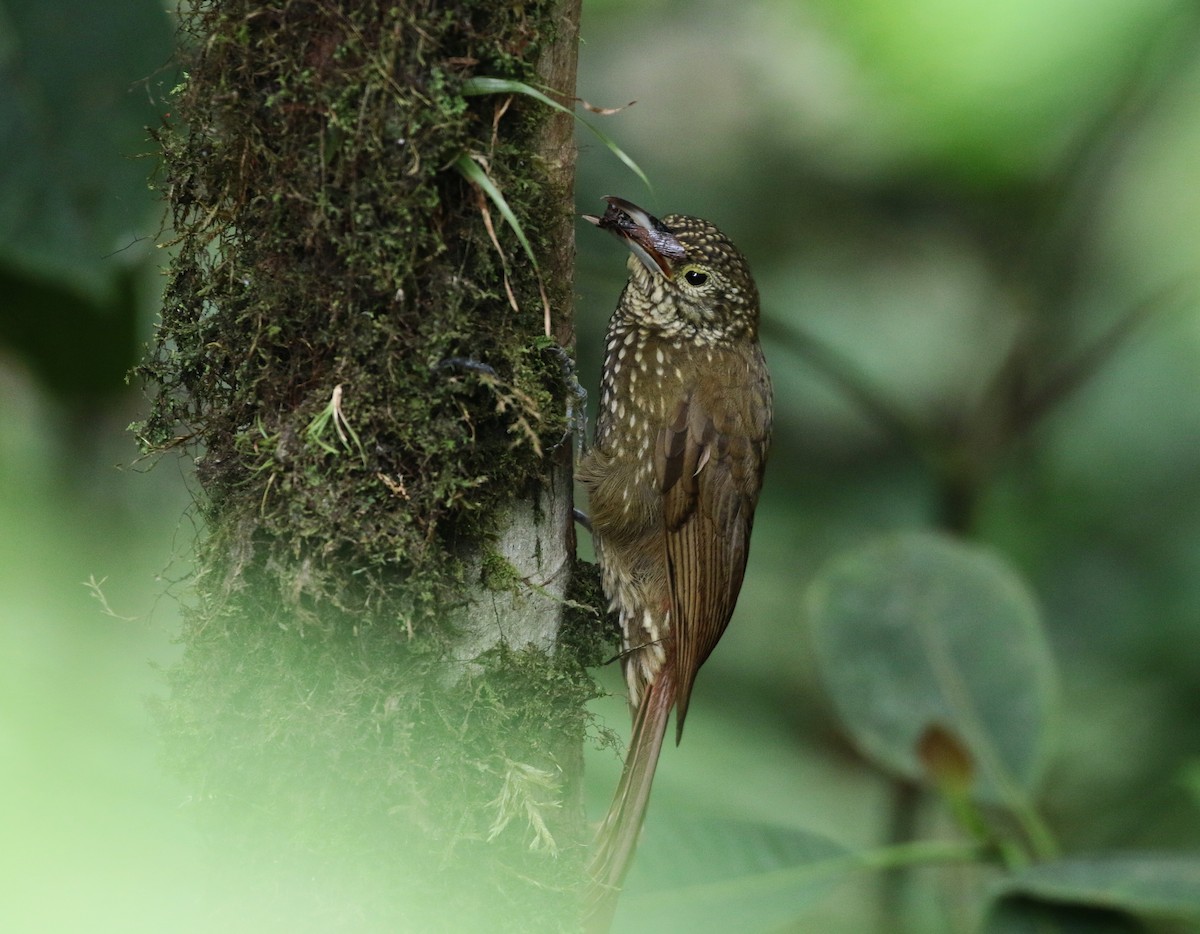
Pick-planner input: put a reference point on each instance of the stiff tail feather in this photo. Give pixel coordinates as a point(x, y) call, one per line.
point(617, 839)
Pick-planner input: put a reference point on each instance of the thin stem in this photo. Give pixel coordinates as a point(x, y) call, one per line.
point(903, 809)
point(1037, 831)
point(898, 856)
point(921, 853)
point(844, 373)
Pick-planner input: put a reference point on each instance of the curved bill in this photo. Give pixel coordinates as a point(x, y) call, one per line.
point(645, 235)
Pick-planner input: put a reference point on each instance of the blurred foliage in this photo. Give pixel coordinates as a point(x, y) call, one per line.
point(1101, 892)
point(917, 633)
point(973, 226)
point(950, 206)
point(81, 82)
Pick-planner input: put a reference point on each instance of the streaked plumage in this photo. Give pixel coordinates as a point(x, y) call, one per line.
point(673, 480)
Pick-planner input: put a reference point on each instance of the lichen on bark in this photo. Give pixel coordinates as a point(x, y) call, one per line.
point(352, 345)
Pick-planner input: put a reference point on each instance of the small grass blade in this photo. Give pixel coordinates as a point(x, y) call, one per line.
point(477, 86)
point(473, 172)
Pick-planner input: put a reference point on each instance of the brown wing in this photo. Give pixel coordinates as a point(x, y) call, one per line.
point(708, 463)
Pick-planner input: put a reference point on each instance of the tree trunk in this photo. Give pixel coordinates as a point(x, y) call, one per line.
point(380, 707)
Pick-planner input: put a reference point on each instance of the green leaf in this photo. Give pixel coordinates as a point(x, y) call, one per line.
point(1024, 916)
point(1151, 886)
point(918, 631)
point(473, 172)
point(73, 112)
point(721, 875)
point(482, 85)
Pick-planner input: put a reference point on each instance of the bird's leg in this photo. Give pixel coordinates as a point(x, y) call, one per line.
point(576, 418)
point(576, 395)
point(576, 403)
point(465, 363)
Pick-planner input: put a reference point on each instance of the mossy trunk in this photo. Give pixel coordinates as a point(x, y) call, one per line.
point(380, 706)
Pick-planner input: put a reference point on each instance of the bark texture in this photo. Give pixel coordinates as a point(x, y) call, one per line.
point(381, 702)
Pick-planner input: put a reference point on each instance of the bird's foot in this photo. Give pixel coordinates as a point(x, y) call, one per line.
point(576, 403)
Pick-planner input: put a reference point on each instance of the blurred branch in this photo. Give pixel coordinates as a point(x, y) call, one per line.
point(1052, 255)
point(1015, 402)
point(1075, 373)
point(849, 378)
point(1032, 381)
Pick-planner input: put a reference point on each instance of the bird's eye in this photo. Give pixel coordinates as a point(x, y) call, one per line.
point(695, 277)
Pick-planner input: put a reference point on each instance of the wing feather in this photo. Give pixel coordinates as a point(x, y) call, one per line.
point(708, 463)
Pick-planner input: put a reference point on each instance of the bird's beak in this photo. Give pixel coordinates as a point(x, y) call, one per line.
point(643, 233)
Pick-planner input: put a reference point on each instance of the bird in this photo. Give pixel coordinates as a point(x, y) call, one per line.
point(672, 478)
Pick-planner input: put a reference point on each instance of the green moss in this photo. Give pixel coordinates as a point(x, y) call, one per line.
point(587, 633)
point(338, 347)
point(499, 575)
point(354, 760)
point(323, 242)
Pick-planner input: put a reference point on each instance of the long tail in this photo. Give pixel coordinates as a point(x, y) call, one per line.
point(617, 839)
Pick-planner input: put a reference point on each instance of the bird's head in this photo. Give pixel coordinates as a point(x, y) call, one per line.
point(686, 276)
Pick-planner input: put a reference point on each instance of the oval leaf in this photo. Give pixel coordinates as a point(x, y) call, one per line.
point(725, 875)
point(1026, 916)
point(73, 113)
point(918, 632)
point(1154, 886)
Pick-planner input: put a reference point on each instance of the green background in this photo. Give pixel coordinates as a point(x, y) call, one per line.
point(918, 185)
